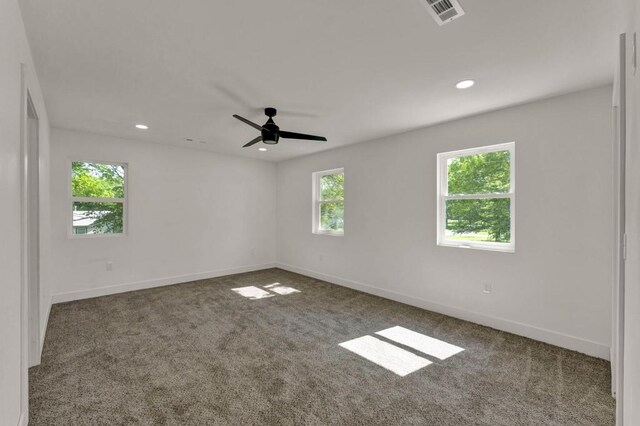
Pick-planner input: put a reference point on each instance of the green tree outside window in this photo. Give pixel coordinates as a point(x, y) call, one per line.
point(485, 219)
point(331, 202)
point(99, 181)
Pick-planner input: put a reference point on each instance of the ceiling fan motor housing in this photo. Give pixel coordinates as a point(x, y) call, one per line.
point(270, 131)
point(270, 138)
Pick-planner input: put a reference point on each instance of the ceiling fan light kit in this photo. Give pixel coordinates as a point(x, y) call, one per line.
point(270, 133)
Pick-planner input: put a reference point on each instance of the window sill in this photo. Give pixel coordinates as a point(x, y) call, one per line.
point(93, 236)
point(328, 233)
point(506, 248)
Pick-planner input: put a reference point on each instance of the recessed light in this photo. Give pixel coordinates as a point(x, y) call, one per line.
point(262, 149)
point(465, 84)
point(142, 126)
point(189, 140)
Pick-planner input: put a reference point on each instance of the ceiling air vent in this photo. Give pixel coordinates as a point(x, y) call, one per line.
point(443, 11)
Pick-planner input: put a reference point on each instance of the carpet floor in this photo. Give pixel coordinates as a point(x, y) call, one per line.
point(200, 353)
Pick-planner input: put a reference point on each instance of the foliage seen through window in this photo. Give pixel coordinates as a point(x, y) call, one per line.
point(98, 192)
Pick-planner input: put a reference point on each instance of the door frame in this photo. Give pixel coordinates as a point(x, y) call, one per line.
point(30, 237)
point(32, 215)
point(620, 236)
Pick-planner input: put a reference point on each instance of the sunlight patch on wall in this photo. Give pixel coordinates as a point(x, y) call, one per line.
point(420, 342)
point(386, 355)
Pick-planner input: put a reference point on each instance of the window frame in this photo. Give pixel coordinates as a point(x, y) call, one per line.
point(443, 196)
point(71, 199)
point(317, 202)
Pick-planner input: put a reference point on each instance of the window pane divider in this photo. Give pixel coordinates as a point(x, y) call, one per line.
point(478, 196)
point(97, 200)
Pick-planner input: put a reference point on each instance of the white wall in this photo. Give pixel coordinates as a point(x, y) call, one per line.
point(556, 287)
point(629, 22)
point(192, 214)
point(14, 51)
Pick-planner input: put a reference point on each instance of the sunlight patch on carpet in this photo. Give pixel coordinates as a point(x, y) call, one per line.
point(386, 355)
point(272, 285)
point(420, 342)
point(253, 293)
point(283, 290)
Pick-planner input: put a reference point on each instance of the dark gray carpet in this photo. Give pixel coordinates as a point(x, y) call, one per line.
point(198, 353)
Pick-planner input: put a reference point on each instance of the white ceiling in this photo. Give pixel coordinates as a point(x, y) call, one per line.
point(350, 70)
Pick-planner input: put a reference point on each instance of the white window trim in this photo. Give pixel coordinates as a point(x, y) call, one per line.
point(124, 201)
point(443, 196)
point(317, 203)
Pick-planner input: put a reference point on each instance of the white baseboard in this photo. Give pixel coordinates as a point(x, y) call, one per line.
point(24, 419)
point(548, 336)
point(141, 285)
point(544, 335)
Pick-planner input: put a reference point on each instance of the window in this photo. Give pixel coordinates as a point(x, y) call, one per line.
point(328, 202)
point(98, 199)
point(476, 198)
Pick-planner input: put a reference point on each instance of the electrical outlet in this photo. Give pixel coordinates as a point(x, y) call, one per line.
point(487, 288)
point(109, 266)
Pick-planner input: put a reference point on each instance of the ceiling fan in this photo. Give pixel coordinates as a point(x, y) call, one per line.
point(270, 133)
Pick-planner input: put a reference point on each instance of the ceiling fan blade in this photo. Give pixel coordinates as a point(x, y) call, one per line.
point(293, 135)
point(250, 123)
point(253, 142)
